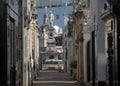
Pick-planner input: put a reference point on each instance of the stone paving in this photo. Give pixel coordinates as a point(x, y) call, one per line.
point(54, 78)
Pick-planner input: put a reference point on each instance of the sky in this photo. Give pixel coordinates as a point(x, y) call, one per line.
point(56, 11)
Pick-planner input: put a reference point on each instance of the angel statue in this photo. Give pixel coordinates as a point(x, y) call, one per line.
point(51, 18)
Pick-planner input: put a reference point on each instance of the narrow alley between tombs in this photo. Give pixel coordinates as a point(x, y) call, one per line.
point(60, 42)
point(55, 78)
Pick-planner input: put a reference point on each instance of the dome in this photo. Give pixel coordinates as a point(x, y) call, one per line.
point(58, 30)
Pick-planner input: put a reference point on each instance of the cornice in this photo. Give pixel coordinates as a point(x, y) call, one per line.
point(107, 12)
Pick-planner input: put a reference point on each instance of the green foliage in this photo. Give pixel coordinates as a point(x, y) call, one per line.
point(73, 64)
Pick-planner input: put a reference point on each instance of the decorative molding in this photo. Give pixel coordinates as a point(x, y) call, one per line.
point(107, 12)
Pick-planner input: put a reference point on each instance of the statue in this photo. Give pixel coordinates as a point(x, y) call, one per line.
point(46, 19)
point(51, 18)
point(65, 20)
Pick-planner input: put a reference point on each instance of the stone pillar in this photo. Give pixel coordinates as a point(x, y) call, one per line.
point(20, 44)
point(79, 41)
point(116, 10)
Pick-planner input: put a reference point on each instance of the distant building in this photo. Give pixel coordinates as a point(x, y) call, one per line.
point(50, 41)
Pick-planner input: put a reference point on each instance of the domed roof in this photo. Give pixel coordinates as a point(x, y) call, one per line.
point(58, 29)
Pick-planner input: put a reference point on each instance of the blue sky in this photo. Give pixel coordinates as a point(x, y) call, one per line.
point(56, 11)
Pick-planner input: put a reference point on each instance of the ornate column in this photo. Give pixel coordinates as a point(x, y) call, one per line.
point(78, 15)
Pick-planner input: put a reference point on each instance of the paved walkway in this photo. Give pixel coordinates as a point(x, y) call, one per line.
point(54, 78)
